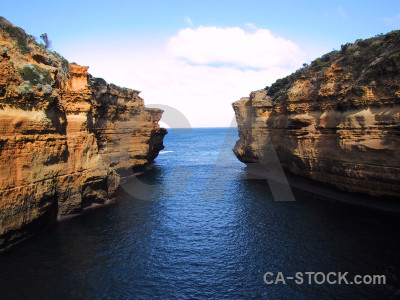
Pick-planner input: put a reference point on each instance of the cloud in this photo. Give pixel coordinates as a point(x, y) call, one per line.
point(234, 47)
point(251, 26)
point(204, 94)
point(189, 21)
point(199, 72)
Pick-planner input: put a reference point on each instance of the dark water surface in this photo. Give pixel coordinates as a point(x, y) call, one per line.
point(196, 238)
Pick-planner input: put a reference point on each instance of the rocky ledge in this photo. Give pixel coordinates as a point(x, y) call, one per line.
point(66, 137)
point(335, 121)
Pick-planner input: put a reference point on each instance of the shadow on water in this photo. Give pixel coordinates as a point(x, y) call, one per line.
point(181, 245)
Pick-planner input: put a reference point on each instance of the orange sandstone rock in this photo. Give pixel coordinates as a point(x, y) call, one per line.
point(66, 138)
point(336, 121)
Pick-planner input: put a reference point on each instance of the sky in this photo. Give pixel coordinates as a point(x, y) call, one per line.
point(198, 57)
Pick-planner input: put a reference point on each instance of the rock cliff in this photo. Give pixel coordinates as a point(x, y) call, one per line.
point(335, 121)
point(66, 138)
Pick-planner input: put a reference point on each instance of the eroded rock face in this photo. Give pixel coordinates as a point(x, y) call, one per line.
point(336, 121)
point(66, 138)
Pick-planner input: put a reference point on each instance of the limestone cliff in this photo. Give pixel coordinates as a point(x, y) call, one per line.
point(336, 121)
point(66, 138)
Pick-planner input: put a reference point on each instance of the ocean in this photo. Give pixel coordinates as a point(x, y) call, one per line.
point(195, 226)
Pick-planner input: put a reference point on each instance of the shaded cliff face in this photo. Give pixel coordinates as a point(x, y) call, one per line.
point(336, 121)
point(66, 138)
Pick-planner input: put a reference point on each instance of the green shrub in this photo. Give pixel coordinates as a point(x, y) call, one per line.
point(395, 59)
point(47, 89)
point(17, 34)
point(97, 83)
point(318, 65)
point(343, 48)
point(35, 75)
point(279, 86)
point(25, 88)
point(45, 39)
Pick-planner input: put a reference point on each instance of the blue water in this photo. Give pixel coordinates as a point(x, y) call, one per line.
point(195, 227)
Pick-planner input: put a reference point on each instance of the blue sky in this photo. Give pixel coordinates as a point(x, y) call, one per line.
point(199, 56)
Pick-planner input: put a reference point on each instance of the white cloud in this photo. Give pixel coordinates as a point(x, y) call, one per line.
point(202, 93)
point(189, 21)
point(233, 46)
point(200, 82)
point(251, 26)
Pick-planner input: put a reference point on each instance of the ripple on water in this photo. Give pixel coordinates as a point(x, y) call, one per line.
point(183, 245)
